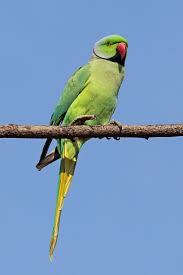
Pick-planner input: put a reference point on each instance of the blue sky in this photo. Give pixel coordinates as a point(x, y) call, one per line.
point(123, 214)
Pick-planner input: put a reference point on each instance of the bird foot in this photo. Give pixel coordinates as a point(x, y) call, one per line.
point(82, 119)
point(120, 126)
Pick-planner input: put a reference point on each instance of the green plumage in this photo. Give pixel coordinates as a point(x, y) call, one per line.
point(91, 90)
point(99, 95)
point(73, 88)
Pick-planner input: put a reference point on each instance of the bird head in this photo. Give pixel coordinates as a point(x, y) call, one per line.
point(113, 48)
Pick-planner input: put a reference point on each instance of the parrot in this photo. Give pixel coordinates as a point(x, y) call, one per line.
point(91, 91)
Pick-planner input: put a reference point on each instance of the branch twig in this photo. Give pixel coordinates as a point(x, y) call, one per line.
point(73, 131)
point(132, 131)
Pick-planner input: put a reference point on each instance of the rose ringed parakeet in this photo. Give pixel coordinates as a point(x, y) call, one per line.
point(91, 90)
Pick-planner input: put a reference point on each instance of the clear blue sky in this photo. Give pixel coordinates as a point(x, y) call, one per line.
point(124, 212)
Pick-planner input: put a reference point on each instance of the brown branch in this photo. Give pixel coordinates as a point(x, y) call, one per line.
point(84, 131)
point(73, 131)
point(47, 159)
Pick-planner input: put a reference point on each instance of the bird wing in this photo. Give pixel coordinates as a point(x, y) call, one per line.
point(73, 88)
point(77, 82)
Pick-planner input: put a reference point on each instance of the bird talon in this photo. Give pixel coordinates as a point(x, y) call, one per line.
point(116, 123)
point(116, 138)
point(82, 119)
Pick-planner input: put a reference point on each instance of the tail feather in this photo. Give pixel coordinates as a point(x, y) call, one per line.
point(65, 177)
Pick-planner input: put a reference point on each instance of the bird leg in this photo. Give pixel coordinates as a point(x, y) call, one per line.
point(120, 126)
point(53, 156)
point(82, 119)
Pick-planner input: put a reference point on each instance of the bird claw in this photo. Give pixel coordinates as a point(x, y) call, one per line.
point(120, 126)
point(82, 119)
point(116, 123)
point(116, 138)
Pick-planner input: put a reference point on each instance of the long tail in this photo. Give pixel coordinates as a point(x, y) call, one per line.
point(67, 168)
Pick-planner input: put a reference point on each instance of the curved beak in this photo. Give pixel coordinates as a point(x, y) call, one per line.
point(122, 49)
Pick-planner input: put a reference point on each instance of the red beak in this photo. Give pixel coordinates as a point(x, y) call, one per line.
point(122, 49)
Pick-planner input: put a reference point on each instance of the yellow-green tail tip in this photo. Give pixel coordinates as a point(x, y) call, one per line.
point(52, 247)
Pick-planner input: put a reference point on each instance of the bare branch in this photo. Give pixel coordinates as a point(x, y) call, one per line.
point(84, 131)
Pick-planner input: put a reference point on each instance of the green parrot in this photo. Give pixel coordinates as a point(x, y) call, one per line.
point(91, 90)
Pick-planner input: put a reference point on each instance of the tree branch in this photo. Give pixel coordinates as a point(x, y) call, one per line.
point(84, 131)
